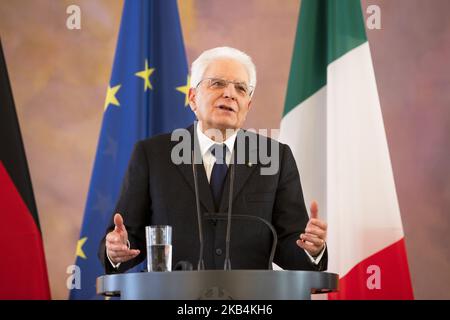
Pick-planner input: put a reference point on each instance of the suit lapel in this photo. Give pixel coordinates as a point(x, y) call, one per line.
point(241, 175)
point(186, 171)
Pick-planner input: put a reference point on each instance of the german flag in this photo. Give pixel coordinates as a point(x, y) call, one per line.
point(23, 270)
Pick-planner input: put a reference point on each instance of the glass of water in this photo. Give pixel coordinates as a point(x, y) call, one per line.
point(159, 248)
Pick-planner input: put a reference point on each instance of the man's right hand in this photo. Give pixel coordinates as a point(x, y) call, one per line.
point(116, 243)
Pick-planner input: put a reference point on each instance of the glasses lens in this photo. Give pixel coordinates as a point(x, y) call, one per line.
point(217, 83)
point(241, 87)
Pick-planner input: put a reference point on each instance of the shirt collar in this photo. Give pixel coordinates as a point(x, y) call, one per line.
point(206, 143)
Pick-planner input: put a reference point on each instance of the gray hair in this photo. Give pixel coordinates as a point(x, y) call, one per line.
point(201, 63)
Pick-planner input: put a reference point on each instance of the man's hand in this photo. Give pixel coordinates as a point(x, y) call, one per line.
point(313, 240)
point(116, 242)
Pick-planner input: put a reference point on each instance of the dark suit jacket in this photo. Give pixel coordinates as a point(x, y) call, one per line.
point(157, 191)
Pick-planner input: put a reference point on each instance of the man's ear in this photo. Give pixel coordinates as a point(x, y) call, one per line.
point(192, 103)
point(249, 104)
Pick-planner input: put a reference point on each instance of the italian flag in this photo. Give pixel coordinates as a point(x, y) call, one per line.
point(332, 121)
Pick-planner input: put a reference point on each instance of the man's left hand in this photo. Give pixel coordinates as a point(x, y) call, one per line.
point(313, 240)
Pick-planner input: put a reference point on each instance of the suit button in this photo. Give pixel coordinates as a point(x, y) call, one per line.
point(219, 251)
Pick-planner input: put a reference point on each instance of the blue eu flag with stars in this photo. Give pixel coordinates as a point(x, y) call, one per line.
point(147, 95)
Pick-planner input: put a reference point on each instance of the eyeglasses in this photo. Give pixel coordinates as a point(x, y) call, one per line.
point(217, 84)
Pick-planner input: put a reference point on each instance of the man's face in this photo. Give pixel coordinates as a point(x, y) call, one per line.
point(217, 106)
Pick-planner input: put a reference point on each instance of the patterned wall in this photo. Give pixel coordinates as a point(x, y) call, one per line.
point(59, 79)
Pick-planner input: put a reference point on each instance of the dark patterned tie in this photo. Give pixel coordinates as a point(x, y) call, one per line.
point(219, 172)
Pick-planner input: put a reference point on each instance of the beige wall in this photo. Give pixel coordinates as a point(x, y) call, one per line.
point(59, 78)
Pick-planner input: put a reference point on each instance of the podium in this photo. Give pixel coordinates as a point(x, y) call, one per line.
point(217, 285)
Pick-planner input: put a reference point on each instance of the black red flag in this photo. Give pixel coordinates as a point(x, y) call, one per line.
point(23, 270)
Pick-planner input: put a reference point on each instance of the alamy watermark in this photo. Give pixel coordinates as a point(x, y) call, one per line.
point(73, 21)
point(250, 148)
point(373, 21)
point(374, 280)
point(74, 279)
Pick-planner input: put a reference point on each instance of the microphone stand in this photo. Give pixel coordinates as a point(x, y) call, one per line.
point(218, 216)
point(227, 263)
point(201, 263)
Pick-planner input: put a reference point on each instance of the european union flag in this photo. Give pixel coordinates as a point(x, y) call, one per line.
point(147, 95)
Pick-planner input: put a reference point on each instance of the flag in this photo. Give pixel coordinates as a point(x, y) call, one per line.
point(147, 95)
point(332, 120)
point(23, 270)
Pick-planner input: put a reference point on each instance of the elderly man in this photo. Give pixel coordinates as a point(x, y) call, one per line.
point(158, 191)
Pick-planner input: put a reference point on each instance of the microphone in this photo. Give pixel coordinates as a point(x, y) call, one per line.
point(227, 263)
point(201, 263)
point(219, 216)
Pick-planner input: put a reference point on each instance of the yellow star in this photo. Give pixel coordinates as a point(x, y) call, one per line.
point(185, 89)
point(145, 74)
point(80, 244)
point(111, 96)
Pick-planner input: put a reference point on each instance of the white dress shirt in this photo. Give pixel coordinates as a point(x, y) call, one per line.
point(205, 144)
